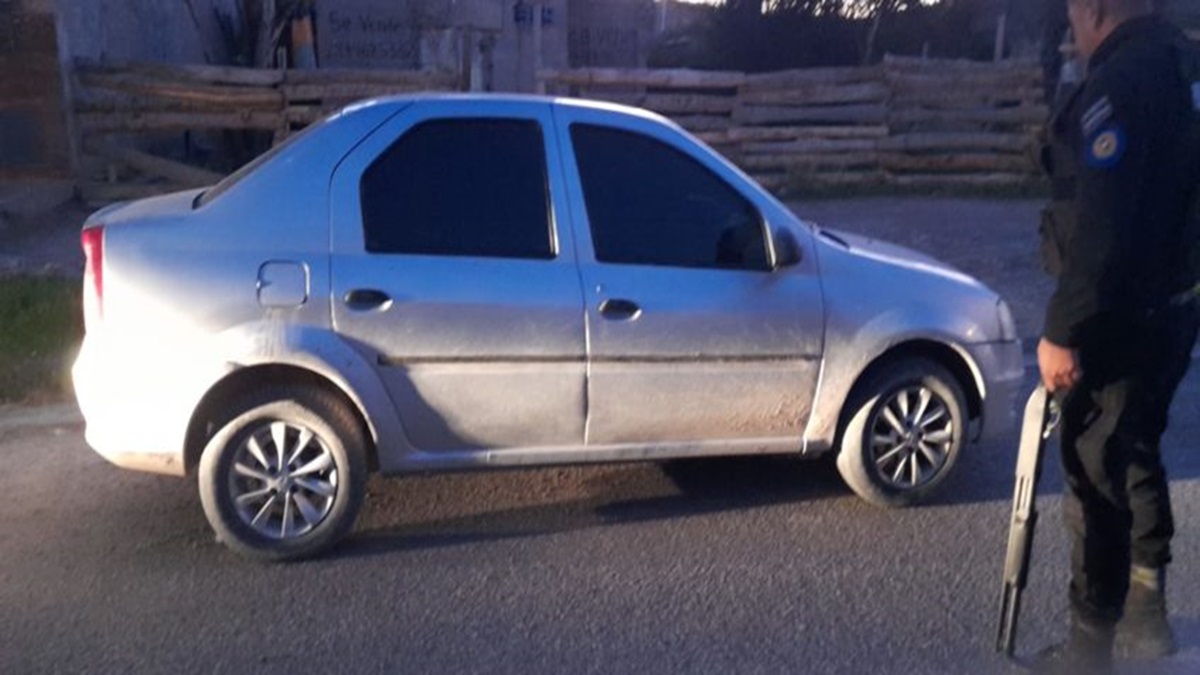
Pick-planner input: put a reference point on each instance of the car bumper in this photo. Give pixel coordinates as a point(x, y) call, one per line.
point(1003, 367)
point(137, 408)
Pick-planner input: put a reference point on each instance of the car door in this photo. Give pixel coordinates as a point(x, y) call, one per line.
point(693, 334)
point(450, 271)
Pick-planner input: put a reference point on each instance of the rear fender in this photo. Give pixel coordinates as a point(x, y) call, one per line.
point(333, 358)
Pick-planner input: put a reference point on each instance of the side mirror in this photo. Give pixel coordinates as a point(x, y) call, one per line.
point(787, 249)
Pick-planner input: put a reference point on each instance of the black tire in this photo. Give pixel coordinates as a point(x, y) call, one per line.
point(283, 515)
point(892, 459)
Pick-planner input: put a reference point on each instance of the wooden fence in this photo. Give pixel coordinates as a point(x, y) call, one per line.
point(907, 122)
point(120, 109)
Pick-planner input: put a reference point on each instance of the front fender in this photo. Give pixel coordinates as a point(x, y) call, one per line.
point(843, 368)
point(876, 306)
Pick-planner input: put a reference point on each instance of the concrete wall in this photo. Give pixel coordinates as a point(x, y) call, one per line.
point(143, 30)
point(493, 38)
point(612, 33)
point(514, 55)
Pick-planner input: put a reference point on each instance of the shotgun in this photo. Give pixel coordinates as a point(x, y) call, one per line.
point(1041, 416)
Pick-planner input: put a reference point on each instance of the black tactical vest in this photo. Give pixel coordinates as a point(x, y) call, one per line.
point(1061, 164)
point(1189, 68)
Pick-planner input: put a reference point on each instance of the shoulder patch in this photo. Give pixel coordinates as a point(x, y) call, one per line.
point(1099, 113)
point(1105, 148)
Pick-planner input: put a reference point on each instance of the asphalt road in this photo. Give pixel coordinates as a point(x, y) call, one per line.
point(748, 565)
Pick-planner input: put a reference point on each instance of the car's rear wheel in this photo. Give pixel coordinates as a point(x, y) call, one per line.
point(904, 433)
point(284, 477)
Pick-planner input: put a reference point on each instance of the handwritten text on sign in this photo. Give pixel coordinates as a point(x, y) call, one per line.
point(387, 33)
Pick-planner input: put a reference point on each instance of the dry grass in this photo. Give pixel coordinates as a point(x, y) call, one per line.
point(41, 326)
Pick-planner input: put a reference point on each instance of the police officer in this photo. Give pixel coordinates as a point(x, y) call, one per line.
point(1123, 319)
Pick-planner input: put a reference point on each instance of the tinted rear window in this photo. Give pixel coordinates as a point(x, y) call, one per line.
point(463, 187)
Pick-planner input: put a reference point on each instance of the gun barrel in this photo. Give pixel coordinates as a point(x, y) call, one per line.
point(1006, 640)
point(1020, 543)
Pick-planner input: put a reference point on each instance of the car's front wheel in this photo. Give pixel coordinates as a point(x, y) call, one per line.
point(904, 432)
point(284, 477)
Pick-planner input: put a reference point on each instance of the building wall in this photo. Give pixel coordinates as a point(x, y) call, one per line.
point(675, 15)
point(499, 37)
point(1184, 12)
point(611, 33)
point(514, 56)
point(498, 44)
point(144, 30)
point(33, 137)
point(495, 39)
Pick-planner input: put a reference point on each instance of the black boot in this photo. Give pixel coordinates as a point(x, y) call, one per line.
point(1145, 632)
point(1087, 650)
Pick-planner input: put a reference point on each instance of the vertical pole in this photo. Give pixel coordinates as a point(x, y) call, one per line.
point(539, 86)
point(1001, 30)
point(466, 61)
point(66, 70)
point(265, 53)
point(518, 80)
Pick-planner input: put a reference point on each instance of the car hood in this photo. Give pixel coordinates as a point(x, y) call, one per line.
point(894, 255)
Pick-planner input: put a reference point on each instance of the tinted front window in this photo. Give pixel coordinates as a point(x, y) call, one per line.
point(650, 204)
point(470, 187)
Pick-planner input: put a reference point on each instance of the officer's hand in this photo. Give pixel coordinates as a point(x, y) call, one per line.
point(1059, 366)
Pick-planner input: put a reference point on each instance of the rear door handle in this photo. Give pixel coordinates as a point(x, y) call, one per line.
point(620, 310)
point(365, 299)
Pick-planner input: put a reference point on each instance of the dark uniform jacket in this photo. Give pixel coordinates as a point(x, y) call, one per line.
point(1123, 166)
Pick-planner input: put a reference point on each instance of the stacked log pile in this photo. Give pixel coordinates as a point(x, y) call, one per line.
point(906, 122)
point(700, 101)
point(962, 123)
point(817, 127)
point(120, 109)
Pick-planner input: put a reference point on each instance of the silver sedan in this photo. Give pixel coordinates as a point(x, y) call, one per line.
point(469, 282)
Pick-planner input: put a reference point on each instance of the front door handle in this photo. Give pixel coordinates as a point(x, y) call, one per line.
point(620, 310)
point(365, 299)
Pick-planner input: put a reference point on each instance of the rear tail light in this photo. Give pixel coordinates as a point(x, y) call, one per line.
point(92, 240)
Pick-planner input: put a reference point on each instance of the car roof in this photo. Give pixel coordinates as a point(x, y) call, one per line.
point(482, 100)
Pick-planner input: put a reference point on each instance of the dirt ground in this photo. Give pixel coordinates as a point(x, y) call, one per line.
point(992, 239)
